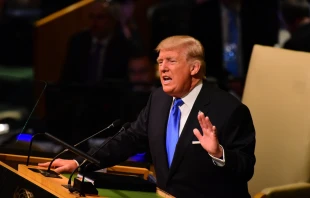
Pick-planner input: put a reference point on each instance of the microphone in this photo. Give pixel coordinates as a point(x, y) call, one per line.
point(73, 149)
point(30, 145)
point(80, 186)
point(114, 124)
point(75, 188)
point(70, 148)
point(48, 172)
point(124, 127)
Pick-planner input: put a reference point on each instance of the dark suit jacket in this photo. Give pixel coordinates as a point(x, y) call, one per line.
point(115, 59)
point(192, 173)
point(300, 39)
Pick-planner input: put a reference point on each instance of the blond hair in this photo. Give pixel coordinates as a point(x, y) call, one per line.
point(193, 49)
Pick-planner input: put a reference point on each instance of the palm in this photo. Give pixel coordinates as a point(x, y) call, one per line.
point(208, 139)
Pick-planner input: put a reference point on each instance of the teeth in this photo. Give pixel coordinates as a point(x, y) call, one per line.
point(167, 78)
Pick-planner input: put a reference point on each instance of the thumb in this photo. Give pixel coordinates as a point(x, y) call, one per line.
point(197, 134)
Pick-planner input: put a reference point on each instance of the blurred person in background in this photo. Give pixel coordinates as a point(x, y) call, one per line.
point(228, 29)
point(142, 81)
point(100, 52)
point(216, 24)
point(93, 75)
point(129, 26)
point(141, 73)
point(296, 14)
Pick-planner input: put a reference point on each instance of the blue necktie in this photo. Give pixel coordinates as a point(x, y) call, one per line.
point(173, 126)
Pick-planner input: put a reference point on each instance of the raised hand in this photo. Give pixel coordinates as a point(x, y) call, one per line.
point(209, 139)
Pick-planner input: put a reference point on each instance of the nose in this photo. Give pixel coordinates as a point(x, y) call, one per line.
point(163, 67)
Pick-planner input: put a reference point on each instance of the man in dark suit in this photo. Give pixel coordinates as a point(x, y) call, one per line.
point(201, 138)
point(232, 28)
point(100, 52)
point(296, 15)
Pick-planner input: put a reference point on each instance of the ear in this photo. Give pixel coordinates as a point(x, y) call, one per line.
point(195, 67)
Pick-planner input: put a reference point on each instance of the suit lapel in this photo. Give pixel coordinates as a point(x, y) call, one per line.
point(163, 111)
point(187, 135)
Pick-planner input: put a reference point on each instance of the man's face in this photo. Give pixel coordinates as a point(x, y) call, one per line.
point(102, 23)
point(140, 71)
point(174, 71)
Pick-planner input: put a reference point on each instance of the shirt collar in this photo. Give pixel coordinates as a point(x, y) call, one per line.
point(190, 98)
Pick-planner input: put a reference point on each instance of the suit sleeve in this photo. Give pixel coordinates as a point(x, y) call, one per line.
point(126, 144)
point(239, 143)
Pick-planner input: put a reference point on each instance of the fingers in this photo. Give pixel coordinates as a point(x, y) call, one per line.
point(57, 162)
point(208, 123)
point(197, 134)
point(201, 120)
point(214, 130)
point(205, 124)
point(61, 169)
point(62, 165)
point(45, 164)
point(67, 166)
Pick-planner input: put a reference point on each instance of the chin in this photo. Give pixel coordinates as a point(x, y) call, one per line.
point(167, 89)
point(170, 91)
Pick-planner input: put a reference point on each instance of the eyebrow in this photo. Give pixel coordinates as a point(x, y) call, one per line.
point(167, 58)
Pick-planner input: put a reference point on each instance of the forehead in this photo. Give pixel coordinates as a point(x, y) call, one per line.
point(171, 53)
point(143, 61)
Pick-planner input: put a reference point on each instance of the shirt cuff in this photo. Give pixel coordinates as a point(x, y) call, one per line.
point(218, 161)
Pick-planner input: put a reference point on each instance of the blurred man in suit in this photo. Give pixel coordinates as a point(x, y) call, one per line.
point(201, 138)
point(142, 81)
point(100, 52)
point(141, 73)
point(296, 15)
point(228, 29)
point(95, 57)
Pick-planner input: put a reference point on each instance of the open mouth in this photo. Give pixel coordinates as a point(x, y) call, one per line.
point(166, 79)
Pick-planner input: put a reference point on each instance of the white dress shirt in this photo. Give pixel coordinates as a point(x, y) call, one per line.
point(186, 108)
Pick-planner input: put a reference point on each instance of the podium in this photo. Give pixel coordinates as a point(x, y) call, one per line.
point(16, 184)
point(30, 182)
point(53, 184)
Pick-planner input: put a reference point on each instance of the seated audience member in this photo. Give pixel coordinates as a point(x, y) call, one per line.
point(141, 73)
point(99, 52)
point(228, 30)
point(142, 81)
point(128, 23)
point(201, 138)
point(296, 14)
